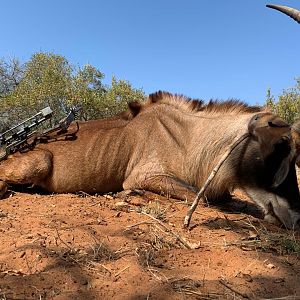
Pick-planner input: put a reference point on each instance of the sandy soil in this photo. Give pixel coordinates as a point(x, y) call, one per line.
point(105, 247)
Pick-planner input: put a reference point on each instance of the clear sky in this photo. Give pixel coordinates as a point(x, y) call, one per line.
point(200, 48)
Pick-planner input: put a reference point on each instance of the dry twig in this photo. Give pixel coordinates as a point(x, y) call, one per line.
point(178, 237)
point(234, 290)
point(213, 173)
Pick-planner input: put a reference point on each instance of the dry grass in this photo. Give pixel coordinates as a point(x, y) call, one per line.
point(98, 253)
point(281, 243)
point(196, 288)
point(181, 284)
point(161, 240)
point(260, 238)
point(154, 209)
point(146, 255)
point(156, 240)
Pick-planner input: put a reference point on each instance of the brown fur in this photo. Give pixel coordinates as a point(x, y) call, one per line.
point(169, 144)
point(234, 106)
point(296, 138)
point(194, 105)
point(179, 101)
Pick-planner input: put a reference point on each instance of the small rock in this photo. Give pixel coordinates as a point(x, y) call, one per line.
point(270, 266)
point(136, 201)
point(246, 248)
point(123, 194)
point(83, 281)
point(3, 214)
point(253, 235)
point(120, 204)
point(247, 277)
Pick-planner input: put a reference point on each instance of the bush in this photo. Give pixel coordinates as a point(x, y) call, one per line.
point(48, 79)
point(288, 104)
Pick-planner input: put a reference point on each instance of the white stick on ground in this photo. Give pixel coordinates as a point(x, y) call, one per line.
point(213, 173)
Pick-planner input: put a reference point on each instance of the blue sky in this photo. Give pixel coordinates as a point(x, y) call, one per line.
point(200, 48)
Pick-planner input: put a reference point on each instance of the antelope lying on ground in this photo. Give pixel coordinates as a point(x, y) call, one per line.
point(170, 144)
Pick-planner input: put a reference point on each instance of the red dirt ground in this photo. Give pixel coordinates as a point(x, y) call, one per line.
point(103, 247)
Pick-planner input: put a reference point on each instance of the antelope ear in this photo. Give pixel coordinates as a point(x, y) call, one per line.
point(282, 155)
point(262, 120)
point(278, 122)
point(281, 172)
point(268, 129)
point(135, 107)
point(274, 138)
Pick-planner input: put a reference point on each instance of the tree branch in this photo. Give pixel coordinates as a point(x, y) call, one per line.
point(193, 207)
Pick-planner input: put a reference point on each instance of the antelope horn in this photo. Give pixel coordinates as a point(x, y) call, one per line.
point(291, 12)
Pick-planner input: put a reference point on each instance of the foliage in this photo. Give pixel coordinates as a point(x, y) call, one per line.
point(11, 72)
point(287, 105)
point(48, 79)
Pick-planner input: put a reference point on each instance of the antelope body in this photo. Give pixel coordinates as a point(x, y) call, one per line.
point(170, 144)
